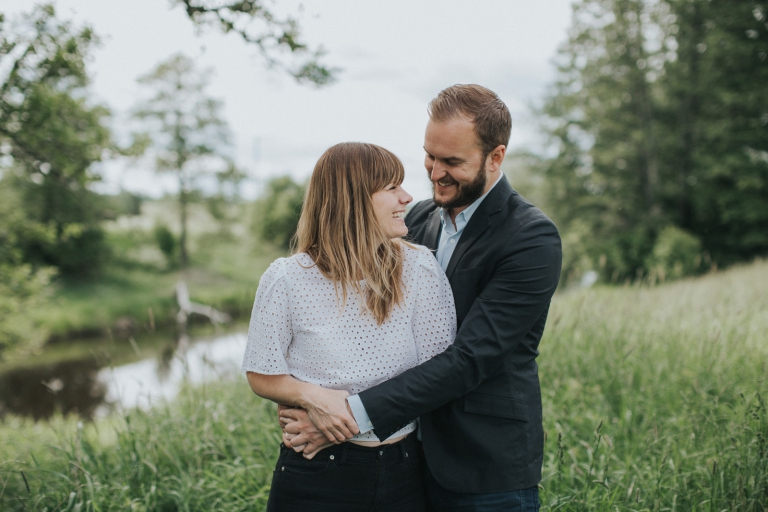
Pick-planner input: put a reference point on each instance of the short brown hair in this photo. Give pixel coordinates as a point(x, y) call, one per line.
point(493, 122)
point(339, 230)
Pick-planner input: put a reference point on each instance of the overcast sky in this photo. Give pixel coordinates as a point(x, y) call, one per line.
point(395, 56)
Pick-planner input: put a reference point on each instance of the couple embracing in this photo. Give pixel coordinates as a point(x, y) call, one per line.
point(403, 350)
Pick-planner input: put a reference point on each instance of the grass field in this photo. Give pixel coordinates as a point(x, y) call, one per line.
point(654, 399)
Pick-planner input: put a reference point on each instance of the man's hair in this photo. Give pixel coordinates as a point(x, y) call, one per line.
point(493, 122)
point(338, 227)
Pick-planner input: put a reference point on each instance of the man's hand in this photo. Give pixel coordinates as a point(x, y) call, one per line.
point(300, 434)
point(328, 410)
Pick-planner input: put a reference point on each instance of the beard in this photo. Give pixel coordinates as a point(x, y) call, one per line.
point(466, 193)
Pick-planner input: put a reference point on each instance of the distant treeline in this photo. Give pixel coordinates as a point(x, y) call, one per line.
point(53, 136)
point(658, 132)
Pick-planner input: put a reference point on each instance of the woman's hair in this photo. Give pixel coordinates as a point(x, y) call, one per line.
point(339, 230)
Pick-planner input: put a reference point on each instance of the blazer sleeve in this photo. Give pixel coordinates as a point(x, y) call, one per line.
point(515, 297)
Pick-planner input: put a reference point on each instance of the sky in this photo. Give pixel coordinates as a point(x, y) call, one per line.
point(394, 57)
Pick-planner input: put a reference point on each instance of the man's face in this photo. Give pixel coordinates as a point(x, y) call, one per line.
point(454, 162)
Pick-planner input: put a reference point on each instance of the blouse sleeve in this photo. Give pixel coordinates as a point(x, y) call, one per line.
point(434, 319)
point(269, 333)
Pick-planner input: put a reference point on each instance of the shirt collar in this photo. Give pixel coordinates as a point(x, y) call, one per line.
point(463, 217)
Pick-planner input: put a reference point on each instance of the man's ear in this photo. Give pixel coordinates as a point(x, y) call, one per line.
point(496, 158)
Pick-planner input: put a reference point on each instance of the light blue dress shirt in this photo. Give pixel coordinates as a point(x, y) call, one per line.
point(449, 238)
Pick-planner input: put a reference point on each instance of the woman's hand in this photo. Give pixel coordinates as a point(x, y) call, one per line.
point(328, 410)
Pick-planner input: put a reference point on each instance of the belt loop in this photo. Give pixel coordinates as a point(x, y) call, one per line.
point(403, 452)
point(344, 450)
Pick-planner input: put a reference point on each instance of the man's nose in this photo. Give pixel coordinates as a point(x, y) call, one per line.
point(437, 172)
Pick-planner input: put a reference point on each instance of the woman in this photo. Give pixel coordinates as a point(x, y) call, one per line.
point(354, 306)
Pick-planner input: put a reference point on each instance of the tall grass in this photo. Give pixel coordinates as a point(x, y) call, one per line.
point(654, 399)
point(213, 449)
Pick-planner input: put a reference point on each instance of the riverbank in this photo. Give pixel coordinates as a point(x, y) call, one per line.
point(654, 398)
point(126, 300)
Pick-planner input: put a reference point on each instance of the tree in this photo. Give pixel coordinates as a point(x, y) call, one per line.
point(189, 136)
point(717, 127)
point(601, 118)
point(277, 38)
point(51, 136)
point(657, 122)
point(277, 211)
point(22, 286)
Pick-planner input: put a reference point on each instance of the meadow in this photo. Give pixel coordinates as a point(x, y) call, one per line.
point(654, 399)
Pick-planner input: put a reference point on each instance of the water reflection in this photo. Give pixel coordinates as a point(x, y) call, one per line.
point(69, 387)
point(86, 388)
point(145, 382)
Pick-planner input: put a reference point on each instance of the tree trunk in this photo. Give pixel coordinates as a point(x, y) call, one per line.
point(183, 201)
point(690, 35)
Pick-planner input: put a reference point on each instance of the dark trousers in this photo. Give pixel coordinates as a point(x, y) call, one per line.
point(440, 499)
point(350, 478)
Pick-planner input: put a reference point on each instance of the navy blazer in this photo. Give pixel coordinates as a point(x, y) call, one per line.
point(480, 400)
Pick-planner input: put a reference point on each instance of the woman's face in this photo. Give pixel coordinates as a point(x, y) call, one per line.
point(389, 208)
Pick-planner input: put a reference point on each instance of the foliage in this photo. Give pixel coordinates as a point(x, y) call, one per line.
point(224, 273)
point(675, 254)
point(51, 137)
point(167, 243)
point(190, 138)
point(278, 211)
point(656, 120)
point(258, 25)
point(22, 287)
point(654, 399)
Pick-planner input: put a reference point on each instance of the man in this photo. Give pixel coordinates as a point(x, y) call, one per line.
point(479, 402)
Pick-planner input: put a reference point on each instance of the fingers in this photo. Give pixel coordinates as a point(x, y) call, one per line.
point(337, 433)
point(311, 450)
point(293, 414)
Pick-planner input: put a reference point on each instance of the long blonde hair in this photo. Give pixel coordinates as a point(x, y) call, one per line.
point(339, 230)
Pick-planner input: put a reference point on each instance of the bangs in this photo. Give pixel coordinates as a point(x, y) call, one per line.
point(385, 169)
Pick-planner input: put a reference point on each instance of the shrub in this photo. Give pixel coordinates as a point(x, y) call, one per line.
point(675, 254)
point(278, 211)
point(167, 243)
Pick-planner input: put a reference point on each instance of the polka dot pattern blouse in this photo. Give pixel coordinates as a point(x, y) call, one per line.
point(298, 327)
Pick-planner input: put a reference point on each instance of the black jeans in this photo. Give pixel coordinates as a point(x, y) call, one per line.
point(350, 478)
point(440, 499)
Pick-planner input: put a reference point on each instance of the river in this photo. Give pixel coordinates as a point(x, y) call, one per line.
point(91, 387)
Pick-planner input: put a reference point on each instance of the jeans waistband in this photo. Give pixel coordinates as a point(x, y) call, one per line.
point(407, 448)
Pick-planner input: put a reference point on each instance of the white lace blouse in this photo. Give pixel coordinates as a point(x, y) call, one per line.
point(298, 328)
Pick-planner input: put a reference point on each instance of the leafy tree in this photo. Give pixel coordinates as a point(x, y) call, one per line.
point(657, 120)
point(278, 39)
point(277, 211)
point(189, 136)
point(717, 128)
point(22, 287)
point(51, 136)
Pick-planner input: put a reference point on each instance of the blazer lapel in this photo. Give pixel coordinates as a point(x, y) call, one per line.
point(480, 221)
point(432, 231)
